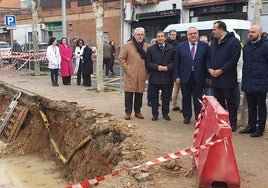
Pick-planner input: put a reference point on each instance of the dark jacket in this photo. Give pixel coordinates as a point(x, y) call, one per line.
point(16, 47)
point(183, 62)
point(107, 50)
point(224, 56)
point(87, 65)
point(255, 67)
point(174, 43)
point(113, 51)
point(155, 58)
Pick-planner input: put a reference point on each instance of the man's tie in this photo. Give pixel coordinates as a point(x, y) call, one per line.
point(161, 48)
point(193, 50)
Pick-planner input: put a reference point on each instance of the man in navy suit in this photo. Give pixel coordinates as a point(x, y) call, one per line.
point(190, 72)
point(159, 62)
point(224, 53)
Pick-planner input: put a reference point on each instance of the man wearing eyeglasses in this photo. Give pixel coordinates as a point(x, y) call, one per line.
point(132, 60)
point(190, 72)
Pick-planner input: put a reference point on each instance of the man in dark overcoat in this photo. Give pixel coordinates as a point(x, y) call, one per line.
point(255, 81)
point(160, 64)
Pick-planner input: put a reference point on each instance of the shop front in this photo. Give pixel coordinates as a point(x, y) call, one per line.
point(153, 22)
point(220, 11)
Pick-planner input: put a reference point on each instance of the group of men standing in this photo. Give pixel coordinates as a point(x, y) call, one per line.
point(190, 65)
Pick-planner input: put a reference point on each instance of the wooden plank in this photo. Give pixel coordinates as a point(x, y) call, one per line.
point(14, 123)
point(21, 120)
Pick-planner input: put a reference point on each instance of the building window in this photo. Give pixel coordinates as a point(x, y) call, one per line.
point(106, 1)
point(215, 12)
point(88, 2)
point(53, 4)
point(83, 3)
point(264, 10)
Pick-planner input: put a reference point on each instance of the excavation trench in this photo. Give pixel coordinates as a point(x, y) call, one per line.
point(83, 143)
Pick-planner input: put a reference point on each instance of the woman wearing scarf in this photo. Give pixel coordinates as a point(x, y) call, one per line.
point(132, 60)
point(78, 59)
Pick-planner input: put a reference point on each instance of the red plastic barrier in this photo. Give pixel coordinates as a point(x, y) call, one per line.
point(216, 164)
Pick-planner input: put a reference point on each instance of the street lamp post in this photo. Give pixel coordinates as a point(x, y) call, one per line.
point(35, 7)
point(63, 14)
point(121, 39)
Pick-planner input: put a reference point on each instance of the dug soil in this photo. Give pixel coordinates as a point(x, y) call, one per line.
point(85, 137)
point(88, 144)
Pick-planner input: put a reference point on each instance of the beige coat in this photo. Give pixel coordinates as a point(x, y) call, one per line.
point(135, 72)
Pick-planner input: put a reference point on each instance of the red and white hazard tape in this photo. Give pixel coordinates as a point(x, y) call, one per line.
point(6, 68)
point(5, 54)
point(14, 72)
point(199, 118)
point(17, 55)
point(196, 131)
point(26, 61)
point(164, 158)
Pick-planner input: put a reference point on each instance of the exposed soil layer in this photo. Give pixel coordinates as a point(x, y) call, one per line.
point(110, 142)
point(36, 160)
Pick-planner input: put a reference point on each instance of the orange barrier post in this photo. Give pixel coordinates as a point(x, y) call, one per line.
point(216, 164)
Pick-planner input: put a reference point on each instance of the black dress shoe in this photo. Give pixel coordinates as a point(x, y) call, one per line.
point(166, 117)
point(186, 121)
point(247, 130)
point(257, 133)
point(176, 108)
point(154, 118)
point(233, 127)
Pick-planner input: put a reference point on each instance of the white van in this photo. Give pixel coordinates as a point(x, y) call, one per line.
point(239, 27)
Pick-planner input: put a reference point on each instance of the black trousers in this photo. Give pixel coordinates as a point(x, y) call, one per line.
point(112, 64)
point(257, 111)
point(79, 73)
point(54, 75)
point(191, 90)
point(66, 80)
point(107, 64)
point(149, 93)
point(226, 98)
point(129, 102)
point(165, 88)
point(86, 79)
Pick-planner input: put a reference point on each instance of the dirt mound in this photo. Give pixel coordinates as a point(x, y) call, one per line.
point(94, 144)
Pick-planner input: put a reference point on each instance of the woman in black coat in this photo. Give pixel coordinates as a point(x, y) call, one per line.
point(87, 66)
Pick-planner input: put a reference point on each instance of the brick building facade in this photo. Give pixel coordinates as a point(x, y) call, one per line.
point(153, 15)
point(7, 4)
point(80, 20)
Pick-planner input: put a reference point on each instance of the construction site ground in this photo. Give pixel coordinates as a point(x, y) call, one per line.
point(29, 160)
